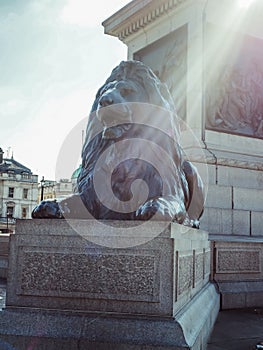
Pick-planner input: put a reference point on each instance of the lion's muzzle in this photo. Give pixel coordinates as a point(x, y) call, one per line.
point(112, 109)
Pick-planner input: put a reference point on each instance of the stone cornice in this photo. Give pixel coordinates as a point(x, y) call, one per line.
point(137, 15)
point(236, 162)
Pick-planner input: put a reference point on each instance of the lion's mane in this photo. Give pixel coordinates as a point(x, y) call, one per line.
point(156, 94)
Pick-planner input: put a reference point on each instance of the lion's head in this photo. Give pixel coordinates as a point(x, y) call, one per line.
point(129, 82)
point(138, 83)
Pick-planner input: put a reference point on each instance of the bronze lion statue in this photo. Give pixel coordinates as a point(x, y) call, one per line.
point(132, 163)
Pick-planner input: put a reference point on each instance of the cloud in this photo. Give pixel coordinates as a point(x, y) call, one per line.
point(54, 119)
point(13, 106)
point(83, 13)
point(12, 101)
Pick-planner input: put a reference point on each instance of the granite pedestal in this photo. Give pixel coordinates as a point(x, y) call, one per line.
point(238, 270)
point(63, 285)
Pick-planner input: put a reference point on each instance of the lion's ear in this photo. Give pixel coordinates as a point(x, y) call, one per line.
point(96, 101)
point(159, 94)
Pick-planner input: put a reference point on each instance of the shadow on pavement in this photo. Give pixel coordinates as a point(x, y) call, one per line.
point(237, 330)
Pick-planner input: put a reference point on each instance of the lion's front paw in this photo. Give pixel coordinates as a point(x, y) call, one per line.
point(47, 210)
point(162, 210)
point(147, 210)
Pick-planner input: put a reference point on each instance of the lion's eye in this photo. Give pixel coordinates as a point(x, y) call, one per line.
point(126, 91)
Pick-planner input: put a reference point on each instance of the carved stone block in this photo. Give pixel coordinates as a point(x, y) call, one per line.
point(238, 270)
point(52, 266)
point(104, 276)
point(244, 178)
point(256, 223)
point(248, 199)
point(234, 88)
point(217, 220)
point(238, 261)
point(219, 197)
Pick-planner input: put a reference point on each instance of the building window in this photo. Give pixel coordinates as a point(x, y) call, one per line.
point(10, 211)
point(11, 192)
point(25, 193)
point(26, 176)
point(24, 212)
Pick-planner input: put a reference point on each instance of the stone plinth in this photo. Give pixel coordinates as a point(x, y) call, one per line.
point(238, 271)
point(125, 294)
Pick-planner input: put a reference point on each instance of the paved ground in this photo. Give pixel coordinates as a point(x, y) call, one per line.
point(234, 329)
point(237, 330)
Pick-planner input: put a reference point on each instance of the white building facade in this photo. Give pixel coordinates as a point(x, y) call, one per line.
point(18, 189)
point(50, 189)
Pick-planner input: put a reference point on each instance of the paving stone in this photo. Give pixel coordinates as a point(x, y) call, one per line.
point(237, 330)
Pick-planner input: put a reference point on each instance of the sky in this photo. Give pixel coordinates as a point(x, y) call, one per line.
point(54, 57)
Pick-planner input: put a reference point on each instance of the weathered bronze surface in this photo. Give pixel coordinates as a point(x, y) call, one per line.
point(132, 163)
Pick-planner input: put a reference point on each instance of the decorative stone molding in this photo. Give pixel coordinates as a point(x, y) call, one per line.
point(234, 89)
point(137, 15)
point(239, 164)
point(238, 260)
point(237, 270)
point(212, 158)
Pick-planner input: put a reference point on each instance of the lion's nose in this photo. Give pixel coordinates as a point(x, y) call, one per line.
point(105, 101)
